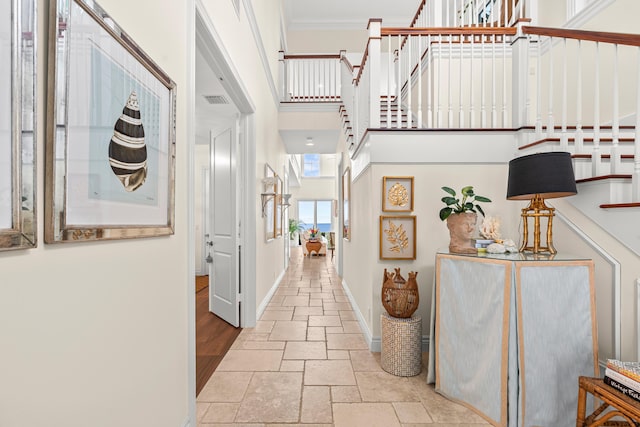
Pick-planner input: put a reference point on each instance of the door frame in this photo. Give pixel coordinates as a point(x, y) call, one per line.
point(206, 37)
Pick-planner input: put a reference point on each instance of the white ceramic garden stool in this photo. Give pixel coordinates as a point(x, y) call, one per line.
point(401, 353)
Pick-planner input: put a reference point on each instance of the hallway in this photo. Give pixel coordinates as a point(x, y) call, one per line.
point(306, 362)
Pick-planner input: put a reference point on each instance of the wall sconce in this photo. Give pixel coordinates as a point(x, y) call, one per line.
point(537, 177)
point(268, 192)
point(285, 201)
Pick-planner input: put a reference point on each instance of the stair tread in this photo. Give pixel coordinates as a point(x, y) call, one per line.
point(604, 156)
point(620, 205)
point(604, 177)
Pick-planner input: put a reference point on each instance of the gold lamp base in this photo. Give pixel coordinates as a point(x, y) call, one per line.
point(537, 209)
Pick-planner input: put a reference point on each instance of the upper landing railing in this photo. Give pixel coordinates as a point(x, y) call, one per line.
point(310, 78)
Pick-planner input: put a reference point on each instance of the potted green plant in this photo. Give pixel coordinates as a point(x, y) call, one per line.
point(295, 226)
point(461, 217)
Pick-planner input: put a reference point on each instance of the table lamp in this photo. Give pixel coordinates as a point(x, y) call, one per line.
point(537, 177)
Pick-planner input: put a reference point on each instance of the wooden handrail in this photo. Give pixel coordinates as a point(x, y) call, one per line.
point(448, 30)
point(594, 36)
point(363, 63)
point(312, 56)
point(415, 17)
point(347, 63)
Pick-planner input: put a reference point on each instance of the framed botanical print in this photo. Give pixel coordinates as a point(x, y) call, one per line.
point(17, 124)
point(346, 209)
point(397, 194)
point(110, 152)
point(398, 237)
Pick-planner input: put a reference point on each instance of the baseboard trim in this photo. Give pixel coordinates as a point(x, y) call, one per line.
point(363, 324)
point(265, 302)
point(187, 423)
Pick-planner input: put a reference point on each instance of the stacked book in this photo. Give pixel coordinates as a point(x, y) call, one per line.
point(624, 377)
point(481, 244)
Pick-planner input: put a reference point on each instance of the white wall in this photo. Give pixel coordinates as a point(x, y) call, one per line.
point(322, 41)
point(363, 270)
point(97, 332)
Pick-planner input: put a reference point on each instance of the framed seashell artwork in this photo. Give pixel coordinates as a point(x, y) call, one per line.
point(18, 43)
point(397, 194)
point(110, 146)
point(398, 237)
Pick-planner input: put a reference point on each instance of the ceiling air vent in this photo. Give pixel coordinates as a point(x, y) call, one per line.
point(216, 99)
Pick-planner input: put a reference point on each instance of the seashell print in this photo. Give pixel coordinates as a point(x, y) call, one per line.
point(127, 149)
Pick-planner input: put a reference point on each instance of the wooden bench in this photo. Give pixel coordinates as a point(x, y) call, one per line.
point(621, 405)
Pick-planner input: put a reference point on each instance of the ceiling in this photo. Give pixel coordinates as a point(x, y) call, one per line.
point(347, 14)
point(324, 141)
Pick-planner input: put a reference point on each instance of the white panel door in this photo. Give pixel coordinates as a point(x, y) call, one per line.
point(223, 271)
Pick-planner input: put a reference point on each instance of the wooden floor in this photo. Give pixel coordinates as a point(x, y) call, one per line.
point(214, 336)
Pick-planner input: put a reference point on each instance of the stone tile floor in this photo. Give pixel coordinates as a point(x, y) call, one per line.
point(306, 363)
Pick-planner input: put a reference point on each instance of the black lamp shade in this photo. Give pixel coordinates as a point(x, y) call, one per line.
point(548, 174)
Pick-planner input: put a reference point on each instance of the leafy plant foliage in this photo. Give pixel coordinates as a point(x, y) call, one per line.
point(467, 204)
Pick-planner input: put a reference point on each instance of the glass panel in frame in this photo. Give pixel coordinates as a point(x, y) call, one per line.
point(269, 209)
point(279, 212)
point(110, 152)
point(17, 125)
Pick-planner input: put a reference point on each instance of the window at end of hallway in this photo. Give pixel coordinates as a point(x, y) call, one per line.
point(311, 166)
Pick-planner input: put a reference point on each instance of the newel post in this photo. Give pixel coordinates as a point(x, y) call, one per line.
point(373, 52)
point(282, 77)
point(519, 74)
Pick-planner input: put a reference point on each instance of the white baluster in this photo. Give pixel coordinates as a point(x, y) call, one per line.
point(504, 81)
point(550, 124)
point(494, 112)
point(483, 111)
point(635, 177)
point(430, 60)
point(564, 139)
point(513, 10)
point(450, 85)
point(596, 156)
point(471, 79)
point(539, 90)
point(615, 147)
point(460, 107)
point(419, 81)
point(438, 86)
point(579, 133)
point(308, 79)
point(399, 87)
point(299, 74)
point(389, 77)
point(491, 16)
point(447, 14)
point(409, 68)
